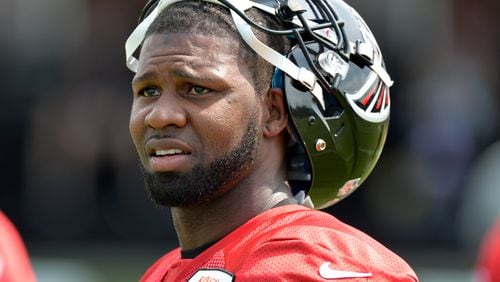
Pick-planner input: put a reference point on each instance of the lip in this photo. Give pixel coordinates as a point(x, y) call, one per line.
point(177, 162)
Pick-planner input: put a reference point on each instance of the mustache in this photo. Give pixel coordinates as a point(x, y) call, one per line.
point(160, 136)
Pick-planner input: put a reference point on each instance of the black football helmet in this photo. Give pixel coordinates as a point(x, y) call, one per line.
point(335, 83)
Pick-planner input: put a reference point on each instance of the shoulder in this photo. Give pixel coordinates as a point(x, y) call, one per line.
point(299, 242)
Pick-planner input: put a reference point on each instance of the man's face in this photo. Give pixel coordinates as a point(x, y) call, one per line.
point(195, 118)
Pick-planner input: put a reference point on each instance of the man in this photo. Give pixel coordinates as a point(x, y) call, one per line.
point(245, 115)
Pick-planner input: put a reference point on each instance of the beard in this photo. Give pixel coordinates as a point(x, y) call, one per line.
point(203, 182)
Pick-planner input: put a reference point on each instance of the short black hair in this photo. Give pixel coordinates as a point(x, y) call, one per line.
point(201, 17)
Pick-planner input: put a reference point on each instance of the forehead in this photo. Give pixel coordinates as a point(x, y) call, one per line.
point(195, 49)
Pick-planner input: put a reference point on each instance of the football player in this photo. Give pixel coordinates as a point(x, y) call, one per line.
point(249, 117)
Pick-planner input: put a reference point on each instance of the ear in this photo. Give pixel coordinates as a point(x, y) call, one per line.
point(276, 115)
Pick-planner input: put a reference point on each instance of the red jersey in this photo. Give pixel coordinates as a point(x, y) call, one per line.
point(287, 243)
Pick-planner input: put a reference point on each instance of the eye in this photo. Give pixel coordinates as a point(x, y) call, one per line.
point(149, 92)
point(198, 90)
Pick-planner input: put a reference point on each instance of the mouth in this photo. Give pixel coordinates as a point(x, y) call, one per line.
point(168, 155)
point(168, 152)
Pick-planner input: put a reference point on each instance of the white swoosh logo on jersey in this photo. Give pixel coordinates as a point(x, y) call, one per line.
point(326, 272)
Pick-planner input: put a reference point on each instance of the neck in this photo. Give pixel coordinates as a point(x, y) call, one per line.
point(210, 221)
point(251, 193)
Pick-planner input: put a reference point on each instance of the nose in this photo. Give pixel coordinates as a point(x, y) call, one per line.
point(166, 111)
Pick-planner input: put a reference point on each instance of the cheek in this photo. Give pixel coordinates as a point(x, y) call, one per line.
point(225, 129)
point(136, 126)
point(219, 131)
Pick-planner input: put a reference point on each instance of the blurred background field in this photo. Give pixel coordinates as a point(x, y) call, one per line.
point(69, 176)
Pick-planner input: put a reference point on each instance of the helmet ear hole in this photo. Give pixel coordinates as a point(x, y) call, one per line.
point(332, 106)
